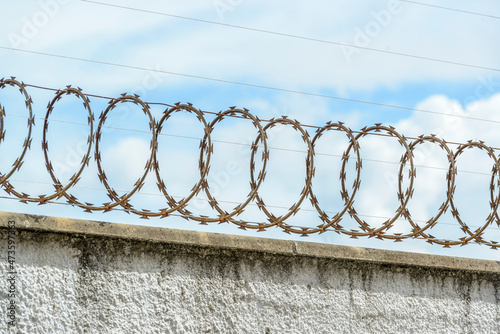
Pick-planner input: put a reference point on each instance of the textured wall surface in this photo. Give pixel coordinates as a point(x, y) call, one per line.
point(83, 277)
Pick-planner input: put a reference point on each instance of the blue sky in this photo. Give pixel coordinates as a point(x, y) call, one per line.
point(461, 80)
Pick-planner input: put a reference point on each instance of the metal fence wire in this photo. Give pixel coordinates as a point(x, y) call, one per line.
point(179, 207)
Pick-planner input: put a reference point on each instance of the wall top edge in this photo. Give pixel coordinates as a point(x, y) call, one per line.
point(45, 224)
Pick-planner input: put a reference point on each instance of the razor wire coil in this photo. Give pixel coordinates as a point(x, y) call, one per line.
point(179, 206)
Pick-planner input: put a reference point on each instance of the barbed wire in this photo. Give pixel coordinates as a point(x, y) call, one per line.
point(159, 195)
point(179, 206)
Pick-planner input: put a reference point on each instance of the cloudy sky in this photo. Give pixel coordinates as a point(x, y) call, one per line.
point(423, 69)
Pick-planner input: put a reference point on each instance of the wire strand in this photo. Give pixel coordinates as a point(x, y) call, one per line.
point(236, 116)
point(251, 204)
point(269, 147)
point(294, 36)
point(452, 9)
point(242, 144)
point(254, 85)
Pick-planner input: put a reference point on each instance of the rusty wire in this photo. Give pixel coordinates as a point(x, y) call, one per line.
point(179, 207)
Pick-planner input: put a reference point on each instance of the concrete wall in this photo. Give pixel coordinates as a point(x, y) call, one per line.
point(89, 277)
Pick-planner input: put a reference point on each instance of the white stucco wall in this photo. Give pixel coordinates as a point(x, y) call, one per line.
point(90, 281)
